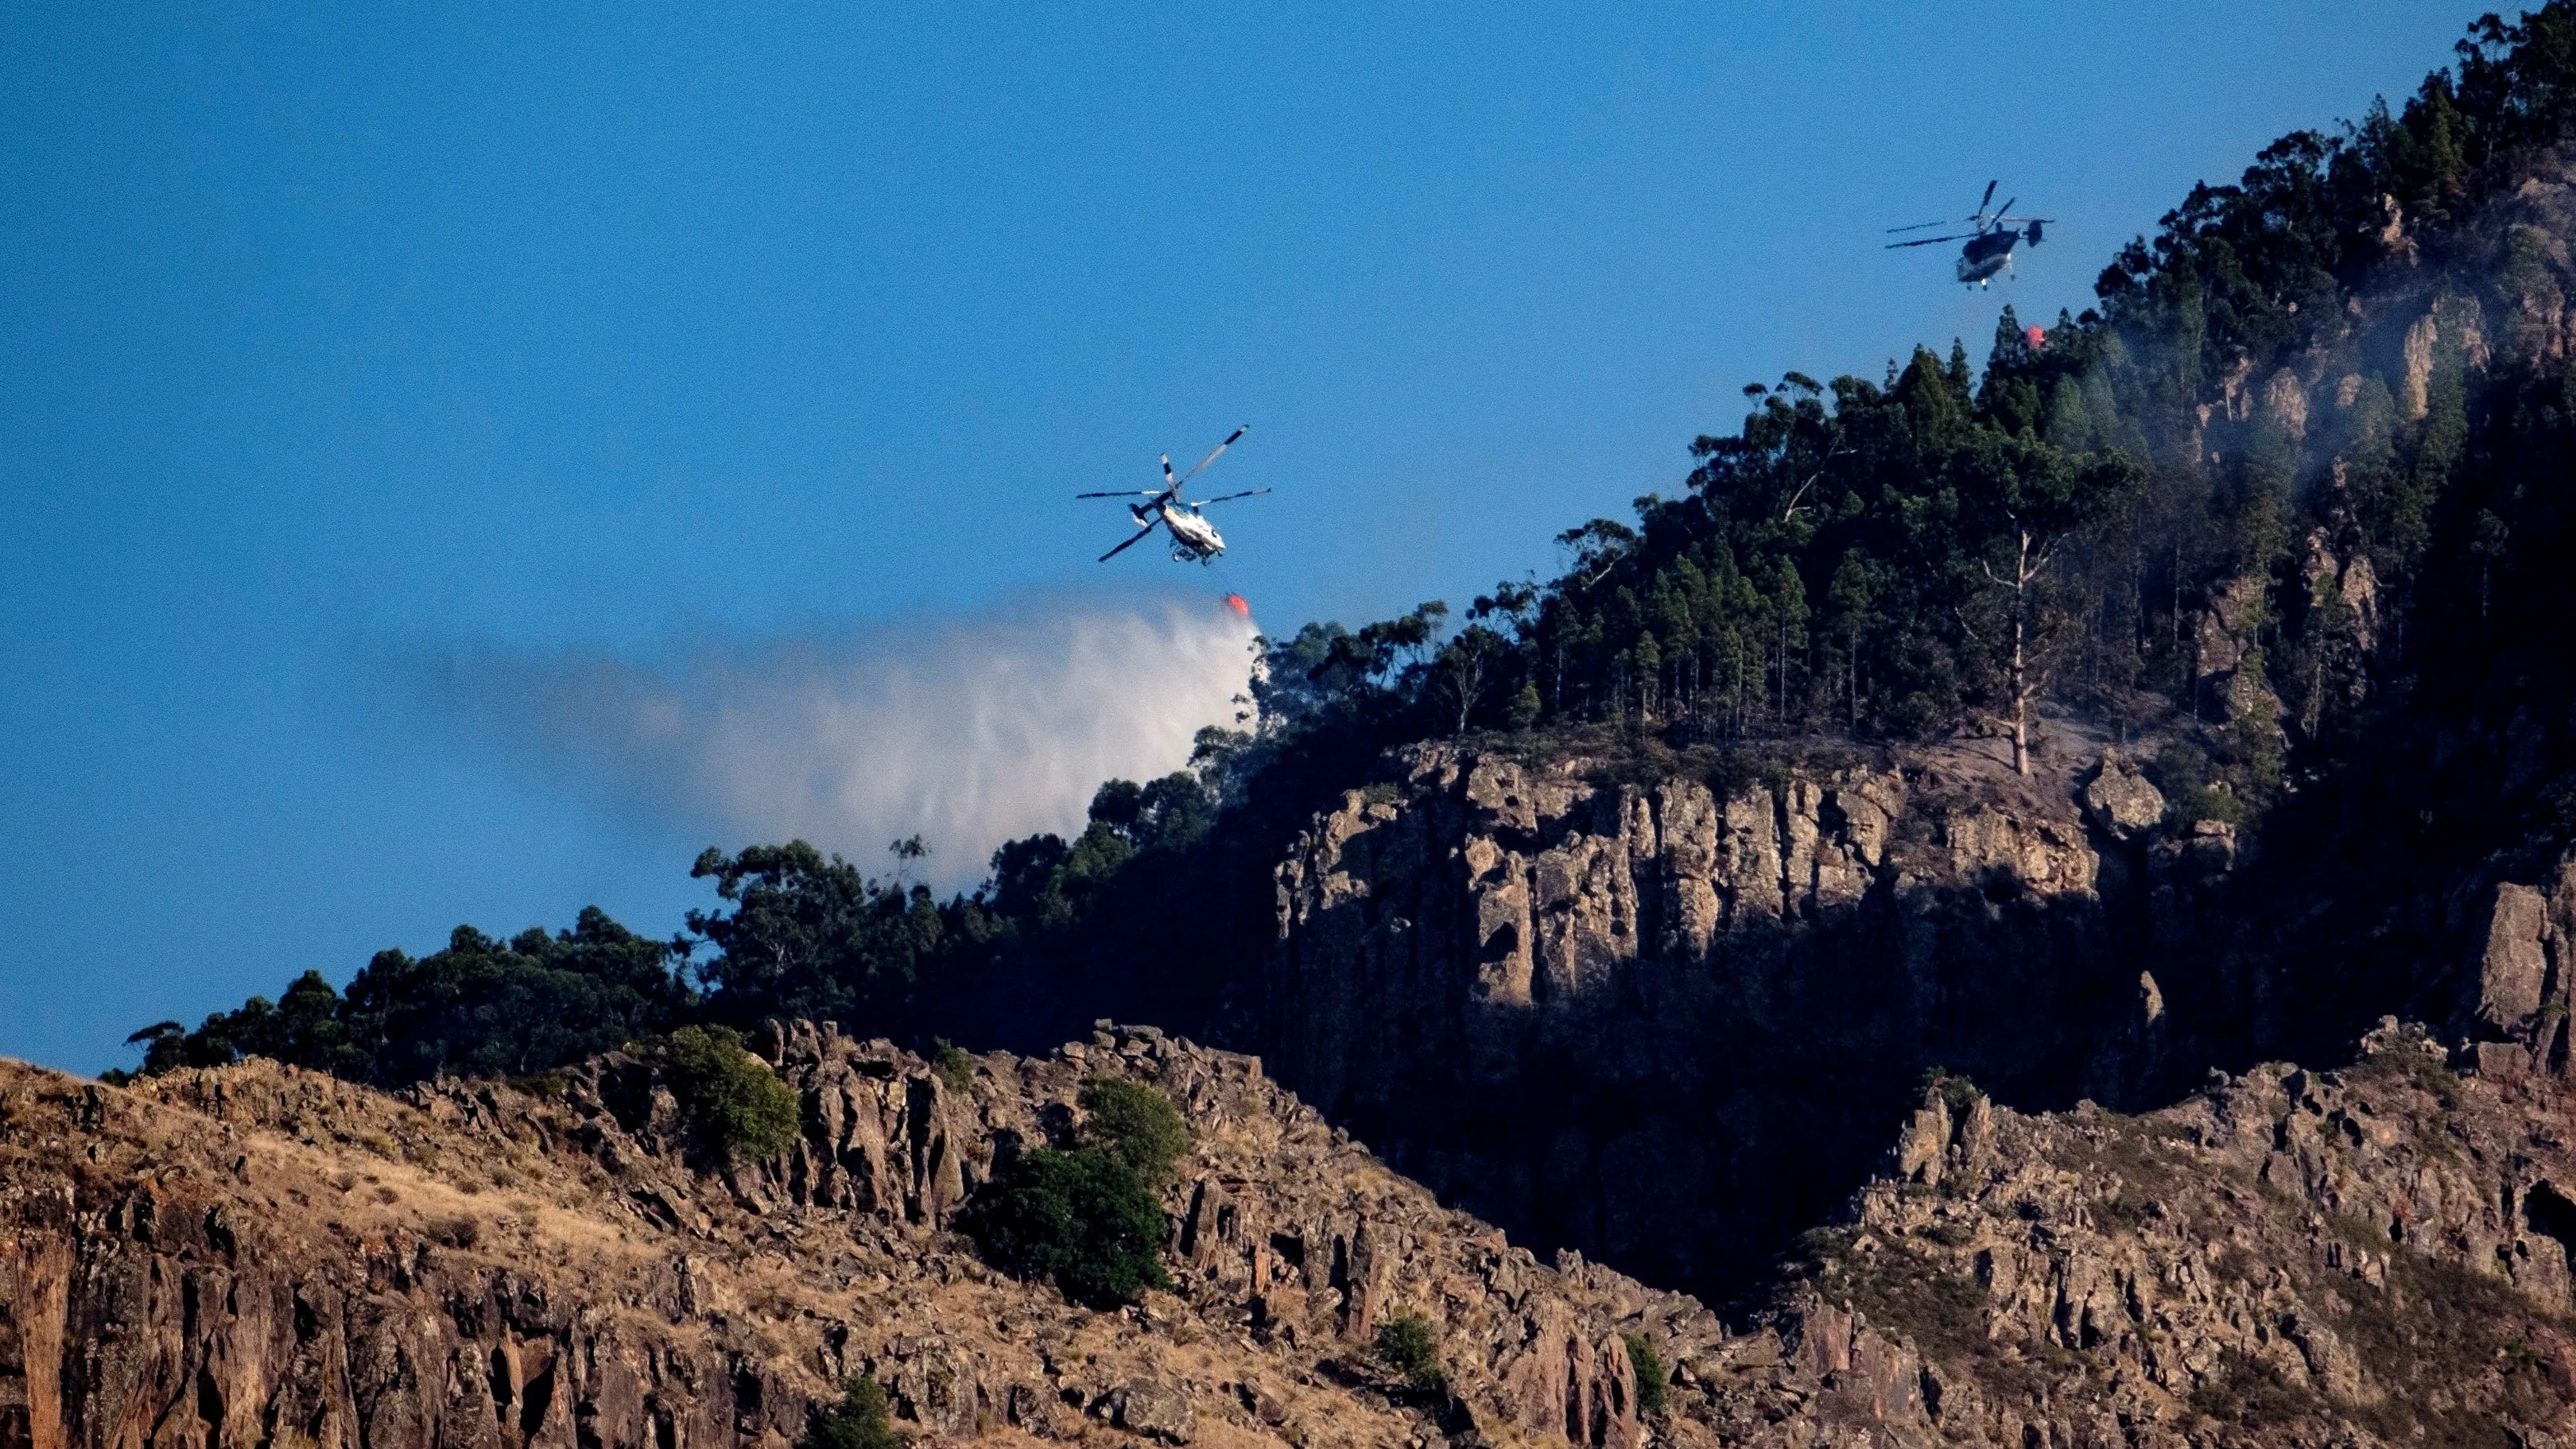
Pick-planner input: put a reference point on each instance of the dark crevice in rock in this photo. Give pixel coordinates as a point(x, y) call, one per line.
point(2547, 1211)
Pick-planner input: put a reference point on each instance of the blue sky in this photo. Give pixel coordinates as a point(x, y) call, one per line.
point(336, 334)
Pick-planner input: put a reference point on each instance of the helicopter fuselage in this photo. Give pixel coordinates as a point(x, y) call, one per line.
point(1193, 537)
point(1991, 236)
point(1986, 256)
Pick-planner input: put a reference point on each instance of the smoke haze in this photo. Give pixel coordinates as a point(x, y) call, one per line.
point(969, 730)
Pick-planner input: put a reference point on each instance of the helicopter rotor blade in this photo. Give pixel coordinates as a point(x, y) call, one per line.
point(1931, 241)
point(1125, 493)
point(1202, 463)
point(1170, 483)
point(1990, 195)
point(1918, 226)
point(1230, 497)
point(1132, 540)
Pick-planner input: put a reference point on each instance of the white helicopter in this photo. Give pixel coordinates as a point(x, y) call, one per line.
point(1990, 237)
point(1193, 537)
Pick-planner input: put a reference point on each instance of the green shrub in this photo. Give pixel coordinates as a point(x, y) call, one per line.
point(1084, 1218)
point(734, 1105)
point(1136, 1125)
point(1957, 1092)
point(547, 1086)
point(954, 1066)
point(1650, 1372)
point(1405, 1344)
point(859, 1421)
point(2211, 802)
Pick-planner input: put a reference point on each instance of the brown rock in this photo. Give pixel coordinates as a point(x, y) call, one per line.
point(1512, 953)
point(2121, 800)
point(2513, 967)
point(253, 1256)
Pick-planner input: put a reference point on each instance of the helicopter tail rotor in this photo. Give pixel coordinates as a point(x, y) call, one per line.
point(2032, 235)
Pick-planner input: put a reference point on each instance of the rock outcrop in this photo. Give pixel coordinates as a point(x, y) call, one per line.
point(261, 1256)
point(1668, 1023)
point(2120, 799)
point(256, 1256)
point(2377, 1255)
point(2517, 992)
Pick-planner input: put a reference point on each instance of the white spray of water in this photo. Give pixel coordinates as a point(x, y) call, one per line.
point(966, 730)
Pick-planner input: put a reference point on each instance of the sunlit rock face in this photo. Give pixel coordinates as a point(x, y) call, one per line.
point(257, 1255)
point(1671, 1024)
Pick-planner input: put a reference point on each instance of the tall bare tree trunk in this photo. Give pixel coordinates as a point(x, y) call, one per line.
point(2022, 572)
point(2021, 700)
point(2025, 570)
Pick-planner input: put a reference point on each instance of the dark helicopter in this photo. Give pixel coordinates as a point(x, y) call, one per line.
point(1990, 237)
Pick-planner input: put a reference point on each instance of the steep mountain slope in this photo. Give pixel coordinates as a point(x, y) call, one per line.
point(1575, 979)
point(2377, 1255)
point(260, 1256)
point(1672, 1021)
point(2286, 1257)
point(2451, 772)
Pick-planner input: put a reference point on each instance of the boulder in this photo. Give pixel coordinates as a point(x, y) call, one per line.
point(1154, 1408)
point(2121, 801)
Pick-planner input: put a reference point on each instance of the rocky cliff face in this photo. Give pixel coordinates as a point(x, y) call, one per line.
point(1670, 1024)
point(260, 1256)
point(2515, 993)
point(2366, 1256)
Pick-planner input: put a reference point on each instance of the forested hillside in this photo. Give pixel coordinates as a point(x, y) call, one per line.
point(2287, 508)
